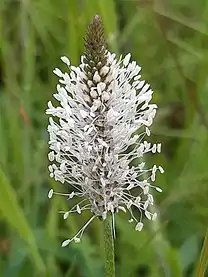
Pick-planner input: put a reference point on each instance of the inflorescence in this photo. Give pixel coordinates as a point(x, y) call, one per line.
point(97, 134)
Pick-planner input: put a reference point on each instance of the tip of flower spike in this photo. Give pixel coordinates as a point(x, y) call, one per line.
point(96, 19)
point(95, 44)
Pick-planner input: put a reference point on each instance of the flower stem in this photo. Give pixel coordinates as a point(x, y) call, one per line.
point(109, 247)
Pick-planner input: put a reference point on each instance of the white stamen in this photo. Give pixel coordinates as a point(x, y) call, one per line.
point(126, 59)
point(50, 193)
point(65, 60)
point(66, 214)
point(65, 242)
point(139, 226)
point(58, 72)
point(154, 216)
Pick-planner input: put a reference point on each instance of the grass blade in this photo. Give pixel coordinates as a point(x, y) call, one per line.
point(203, 260)
point(14, 215)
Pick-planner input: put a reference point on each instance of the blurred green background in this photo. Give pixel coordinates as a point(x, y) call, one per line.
point(169, 39)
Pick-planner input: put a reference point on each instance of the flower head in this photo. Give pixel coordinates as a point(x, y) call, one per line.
point(97, 131)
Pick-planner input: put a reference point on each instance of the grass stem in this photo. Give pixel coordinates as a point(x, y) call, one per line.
point(109, 247)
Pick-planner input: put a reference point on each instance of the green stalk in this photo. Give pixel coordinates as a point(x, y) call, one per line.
point(109, 247)
point(203, 260)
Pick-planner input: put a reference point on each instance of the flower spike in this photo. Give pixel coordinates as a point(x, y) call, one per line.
point(96, 134)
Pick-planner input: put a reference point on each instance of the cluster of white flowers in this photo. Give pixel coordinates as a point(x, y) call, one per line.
point(96, 140)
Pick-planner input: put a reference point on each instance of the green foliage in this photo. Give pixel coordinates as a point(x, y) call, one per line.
point(170, 41)
point(15, 216)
